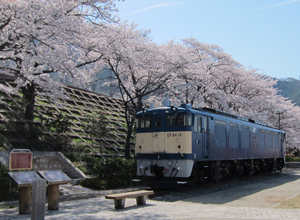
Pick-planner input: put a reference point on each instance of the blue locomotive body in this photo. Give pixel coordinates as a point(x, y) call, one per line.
point(184, 144)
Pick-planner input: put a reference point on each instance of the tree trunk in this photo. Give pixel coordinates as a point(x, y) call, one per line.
point(129, 132)
point(129, 120)
point(139, 103)
point(29, 96)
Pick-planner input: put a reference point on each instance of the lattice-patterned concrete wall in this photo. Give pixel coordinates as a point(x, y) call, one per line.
point(79, 104)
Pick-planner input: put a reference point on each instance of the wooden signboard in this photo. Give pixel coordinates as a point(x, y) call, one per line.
point(25, 178)
point(54, 179)
point(54, 176)
point(20, 159)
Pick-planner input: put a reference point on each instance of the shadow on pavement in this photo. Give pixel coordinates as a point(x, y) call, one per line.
point(280, 187)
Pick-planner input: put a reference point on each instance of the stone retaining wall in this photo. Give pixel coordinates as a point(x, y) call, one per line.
point(4, 158)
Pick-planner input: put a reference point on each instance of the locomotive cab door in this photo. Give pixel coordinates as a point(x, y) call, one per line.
point(205, 135)
point(201, 135)
point(158, 143)
point(282, 144)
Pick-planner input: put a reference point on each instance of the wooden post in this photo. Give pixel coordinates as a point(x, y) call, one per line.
point(38, 199)
point(25, 200)
point(53, 197)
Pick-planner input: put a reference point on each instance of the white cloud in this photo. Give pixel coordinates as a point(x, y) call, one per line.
point(278, 4)
point(151, 7)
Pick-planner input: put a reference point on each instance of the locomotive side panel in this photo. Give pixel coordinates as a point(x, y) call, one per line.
point(234, 140)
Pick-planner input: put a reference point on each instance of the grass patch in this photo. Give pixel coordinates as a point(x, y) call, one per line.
point(292, 159)
point(77, 140)
point(42, 102)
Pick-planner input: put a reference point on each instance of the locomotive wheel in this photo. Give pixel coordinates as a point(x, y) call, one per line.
point(216, 171)
point(227, 170)
point(280, 164)
point(249, 168)
point(264, 166)
point(197, 174)
point(238, 169)
point(274, 166)
point(257, 167)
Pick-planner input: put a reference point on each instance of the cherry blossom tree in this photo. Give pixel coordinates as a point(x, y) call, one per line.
point(79, 39)
point(39, 38)
point(139, 68)
point(217, 81)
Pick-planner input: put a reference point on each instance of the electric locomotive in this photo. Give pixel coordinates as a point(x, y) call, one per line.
point(183, 145)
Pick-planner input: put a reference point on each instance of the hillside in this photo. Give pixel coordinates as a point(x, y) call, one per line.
point(289, 88)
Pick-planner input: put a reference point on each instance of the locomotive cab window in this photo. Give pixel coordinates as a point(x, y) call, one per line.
point(197, 124)
point(200, 124)
point(179, 119)
point(143, 122)
point(204, 125)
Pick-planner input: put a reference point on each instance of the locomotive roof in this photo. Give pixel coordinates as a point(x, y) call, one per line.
point(209, 111)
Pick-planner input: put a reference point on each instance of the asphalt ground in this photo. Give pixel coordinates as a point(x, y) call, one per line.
point(260, 200)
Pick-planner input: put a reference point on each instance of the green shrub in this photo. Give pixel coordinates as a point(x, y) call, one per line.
point(95, 183)
point(292, 159)
point(114, 172)
point(78, 153)
point(8, 188)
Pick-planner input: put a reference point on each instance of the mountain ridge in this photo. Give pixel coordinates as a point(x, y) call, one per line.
point(289, 88)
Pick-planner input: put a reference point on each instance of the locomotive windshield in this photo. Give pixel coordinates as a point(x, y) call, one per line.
point(172, 120)
point(143, 122)
point(179, 119)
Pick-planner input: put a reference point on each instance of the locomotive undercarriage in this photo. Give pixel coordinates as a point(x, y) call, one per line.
point(219, 170)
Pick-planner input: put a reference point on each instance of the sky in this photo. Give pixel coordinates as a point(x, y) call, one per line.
point(262, 34)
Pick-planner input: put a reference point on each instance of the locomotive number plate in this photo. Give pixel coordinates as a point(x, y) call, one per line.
point(174, 134)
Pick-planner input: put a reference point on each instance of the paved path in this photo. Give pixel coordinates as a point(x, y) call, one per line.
point(254, 201)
